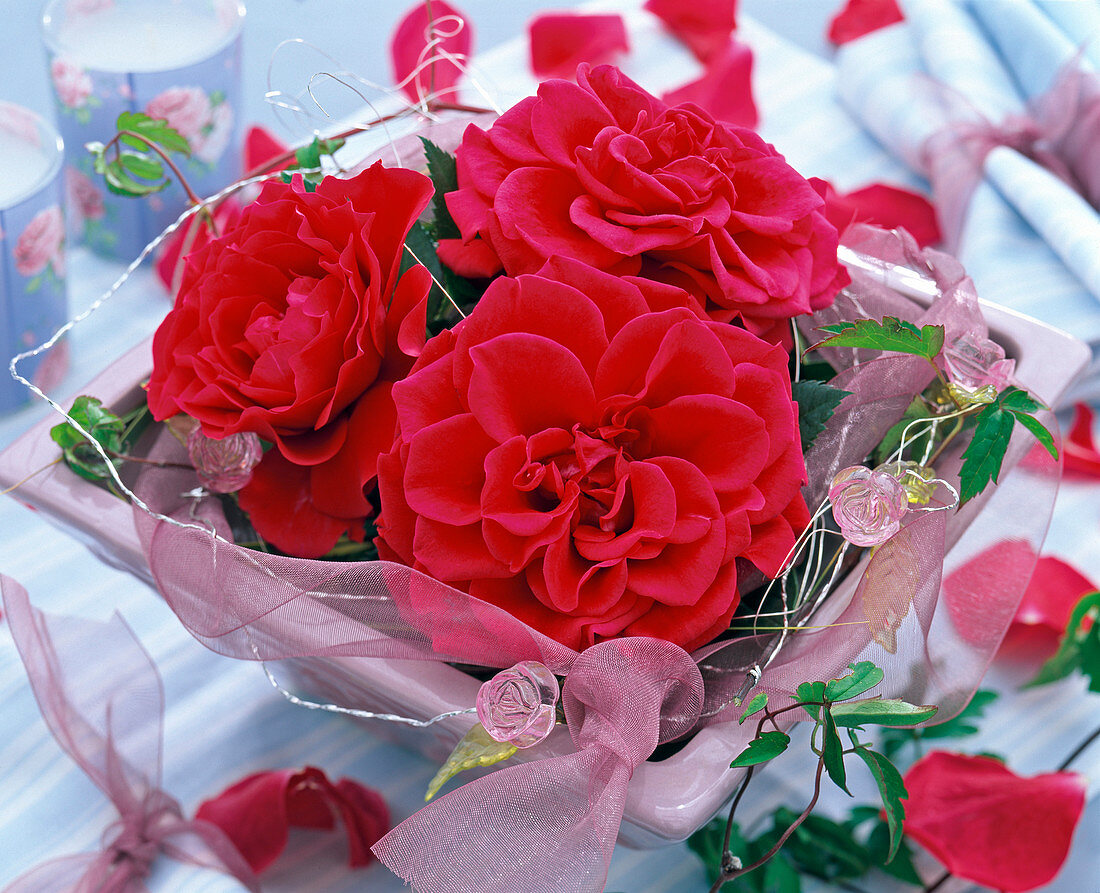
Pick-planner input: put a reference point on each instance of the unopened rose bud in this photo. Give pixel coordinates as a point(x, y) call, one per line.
point(224, 466)
point(868, 505)
point(517, 704)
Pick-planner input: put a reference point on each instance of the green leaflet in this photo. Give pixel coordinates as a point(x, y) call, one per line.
point(892, 790)
point(881, 712)
point(864, 676)
point(765, 747)
point(758, 703)
point(1079, 648)
point(444, 173)
point(891, 334)
point(817, 402)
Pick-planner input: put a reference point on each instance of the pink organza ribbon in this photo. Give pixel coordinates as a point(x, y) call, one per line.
point(110, 723)
point(1061, 131)
point(551, 824)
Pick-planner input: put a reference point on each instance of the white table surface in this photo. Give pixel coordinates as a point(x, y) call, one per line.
point(223, 720)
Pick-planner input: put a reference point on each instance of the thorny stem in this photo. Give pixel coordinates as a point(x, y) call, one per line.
point(1089, 740)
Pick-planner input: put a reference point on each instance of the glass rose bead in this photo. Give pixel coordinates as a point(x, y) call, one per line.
point(517, 705)
point(868, 505)
point(224, 466)
point(973, 364)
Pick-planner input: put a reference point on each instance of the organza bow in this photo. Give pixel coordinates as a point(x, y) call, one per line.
point(621, 697)
point(111, 723)
point(1061, 132)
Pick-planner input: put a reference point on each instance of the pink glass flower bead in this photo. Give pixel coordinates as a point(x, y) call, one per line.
point(868, 505)
point(517, 705)
point(224, 466)
point(974, 363)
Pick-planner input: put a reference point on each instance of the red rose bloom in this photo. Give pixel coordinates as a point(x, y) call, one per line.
point(593, 459)
point(606, 173)
point(293, 325)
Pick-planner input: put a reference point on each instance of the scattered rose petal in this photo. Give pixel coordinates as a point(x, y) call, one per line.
point(971, 591)
point(704, 25)
point(1079, 453)
point(887, 206)
point(859, 17)
point(725, 90)
point(560, 41)
point(413, 45)
point(1045, 609)
point(257, 812)
point(989, 825)
point(260, 147)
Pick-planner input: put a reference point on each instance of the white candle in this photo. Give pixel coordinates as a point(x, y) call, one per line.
point(23, 168)
point(141, 37)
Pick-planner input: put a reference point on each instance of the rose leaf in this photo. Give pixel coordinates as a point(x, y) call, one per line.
point(891, 334)
point(816, 403)
point(444, 173)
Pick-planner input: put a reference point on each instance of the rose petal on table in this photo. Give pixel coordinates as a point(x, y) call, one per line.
point(257, 812)
point(1079, 452)
point(966, 589)
point(427, 67)
point(260, 147)
point(725, 89)
point(560, 41)
point(989, 825)
point(1045, 610)
point(887, 206)
point(859, 17)
point(703, 25)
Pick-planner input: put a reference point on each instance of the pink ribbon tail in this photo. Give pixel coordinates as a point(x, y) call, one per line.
point(101, 720)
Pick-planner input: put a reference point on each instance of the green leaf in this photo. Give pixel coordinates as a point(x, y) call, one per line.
point(823, 848)
point(864, 676)
point(809, 694)
point(983, 457)
point(1015, 400)
point(881, 712)
point(761, 749)
point(891, 334)
point(309, 156)
point(152, 130)
point(103, 425)
point(141, 166)
point(1079, 648)
point(443, 170)
point(960, 726)
point(892, 790)
point(1039, 431)
point(832, 751)
point(918, 409)
point(900, 865)
point(758, 703)
point(475, 749)
point(816, 403)
point(120, 182)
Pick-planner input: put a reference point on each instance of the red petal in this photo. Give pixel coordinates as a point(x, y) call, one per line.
point(1079, 449)
point(704, 25)
point(409, 50)
point(989, 825)
point(279, 502)
point(260, 147)
point(1045, 610)
point(725, 90)
point(190, 238)
point(256, 812)
point(860, 17)
point(560, 41)
point(886, 206)
point(252, 813)
point(971, 590)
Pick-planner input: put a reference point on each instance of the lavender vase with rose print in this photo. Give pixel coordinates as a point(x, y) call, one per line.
point(32, 251)
point(173, 59)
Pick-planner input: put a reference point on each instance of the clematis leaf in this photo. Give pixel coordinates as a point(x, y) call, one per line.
point(833, 753)
point(810, 694)
point(881, 712)
point(761, 749)
point(892, 790)
point(900, 864)
point(758, 703)
point(961, 725)
point(822, 847)
point(891, 334)
point(864, 676)
point(475, 749)
point(816, 403)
